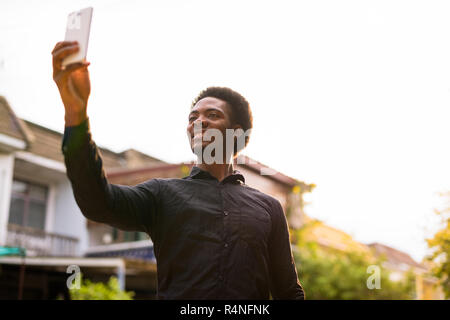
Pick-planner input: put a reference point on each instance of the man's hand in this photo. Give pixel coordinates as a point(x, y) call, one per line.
point(73, 83)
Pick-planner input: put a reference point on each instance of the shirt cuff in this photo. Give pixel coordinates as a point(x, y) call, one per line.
point(75, 137)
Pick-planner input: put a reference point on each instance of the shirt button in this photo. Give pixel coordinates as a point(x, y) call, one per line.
point(225, 212)
point(226, 245)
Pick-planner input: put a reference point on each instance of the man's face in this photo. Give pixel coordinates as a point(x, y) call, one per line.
point(210, 113)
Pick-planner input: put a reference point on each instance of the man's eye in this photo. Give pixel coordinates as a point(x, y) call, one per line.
point(191, 119)
point(213, 115)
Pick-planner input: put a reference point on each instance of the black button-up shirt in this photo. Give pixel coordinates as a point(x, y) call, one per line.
point(212, 239)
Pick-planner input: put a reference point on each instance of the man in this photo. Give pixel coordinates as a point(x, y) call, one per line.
point(214, 237)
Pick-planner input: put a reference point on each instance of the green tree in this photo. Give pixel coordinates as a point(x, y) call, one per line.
point(440, 245)
point(100, 291)
point(332, 274)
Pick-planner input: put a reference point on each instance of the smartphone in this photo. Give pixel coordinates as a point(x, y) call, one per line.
point(78, 29)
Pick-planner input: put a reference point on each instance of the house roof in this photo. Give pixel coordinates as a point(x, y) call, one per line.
point(330, 237)
point(136, 158)
point(46, 143)
point(269, 172)
point(394, 256)
point(10, 124)
point(149, 172)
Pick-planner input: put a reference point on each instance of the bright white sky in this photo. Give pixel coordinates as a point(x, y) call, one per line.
point(350, 95)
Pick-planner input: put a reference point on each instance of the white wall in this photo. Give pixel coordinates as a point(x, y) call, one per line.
point(67, 218)
point(6, 174)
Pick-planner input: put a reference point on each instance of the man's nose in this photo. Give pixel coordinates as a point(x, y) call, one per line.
point(201, 122)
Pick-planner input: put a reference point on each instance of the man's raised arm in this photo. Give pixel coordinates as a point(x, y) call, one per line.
point(124, 207)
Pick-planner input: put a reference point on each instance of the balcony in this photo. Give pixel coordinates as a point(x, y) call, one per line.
point(41, 243)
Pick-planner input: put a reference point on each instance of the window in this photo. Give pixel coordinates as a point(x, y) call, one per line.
point(28, 204)
point(127, 236)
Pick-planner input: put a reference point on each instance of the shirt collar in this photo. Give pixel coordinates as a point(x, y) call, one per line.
point(197, 173)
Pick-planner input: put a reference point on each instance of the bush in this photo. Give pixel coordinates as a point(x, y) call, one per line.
point(100, 291)
point(333, 274)
point(440, 245)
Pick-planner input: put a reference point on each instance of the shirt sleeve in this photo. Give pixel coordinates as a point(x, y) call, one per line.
point(284, 283)
point(124, 207)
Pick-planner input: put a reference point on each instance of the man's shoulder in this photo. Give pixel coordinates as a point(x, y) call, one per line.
point(165, 182)
point(180, 184)
point(268, 199)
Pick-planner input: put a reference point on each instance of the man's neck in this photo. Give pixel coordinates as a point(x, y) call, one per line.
point(220, 171)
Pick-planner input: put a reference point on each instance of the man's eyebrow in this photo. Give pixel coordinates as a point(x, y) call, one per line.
point(207, 110)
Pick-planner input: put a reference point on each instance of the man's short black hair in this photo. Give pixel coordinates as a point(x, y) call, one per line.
point(240, 108)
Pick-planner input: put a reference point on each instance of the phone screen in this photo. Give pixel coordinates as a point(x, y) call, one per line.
point(78, 29)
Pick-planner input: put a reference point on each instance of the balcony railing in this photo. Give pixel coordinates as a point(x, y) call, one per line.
point(41, 243)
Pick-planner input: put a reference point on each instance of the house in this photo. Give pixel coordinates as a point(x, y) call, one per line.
point(399, 263)
point(38, 213)
point(330, 238)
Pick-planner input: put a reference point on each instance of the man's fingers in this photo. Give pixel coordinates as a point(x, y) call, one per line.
point(75, 66)
point(65, 51)
point(60, 54)
point(62, 50)
point(69, 69)
point(57, 46)
point(63, 44)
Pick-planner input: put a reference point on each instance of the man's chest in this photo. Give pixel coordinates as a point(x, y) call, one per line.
point(214, 213)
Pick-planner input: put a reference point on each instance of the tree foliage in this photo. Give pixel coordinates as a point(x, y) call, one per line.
point(333, 274)
point(440, 244)
point(100, 291)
